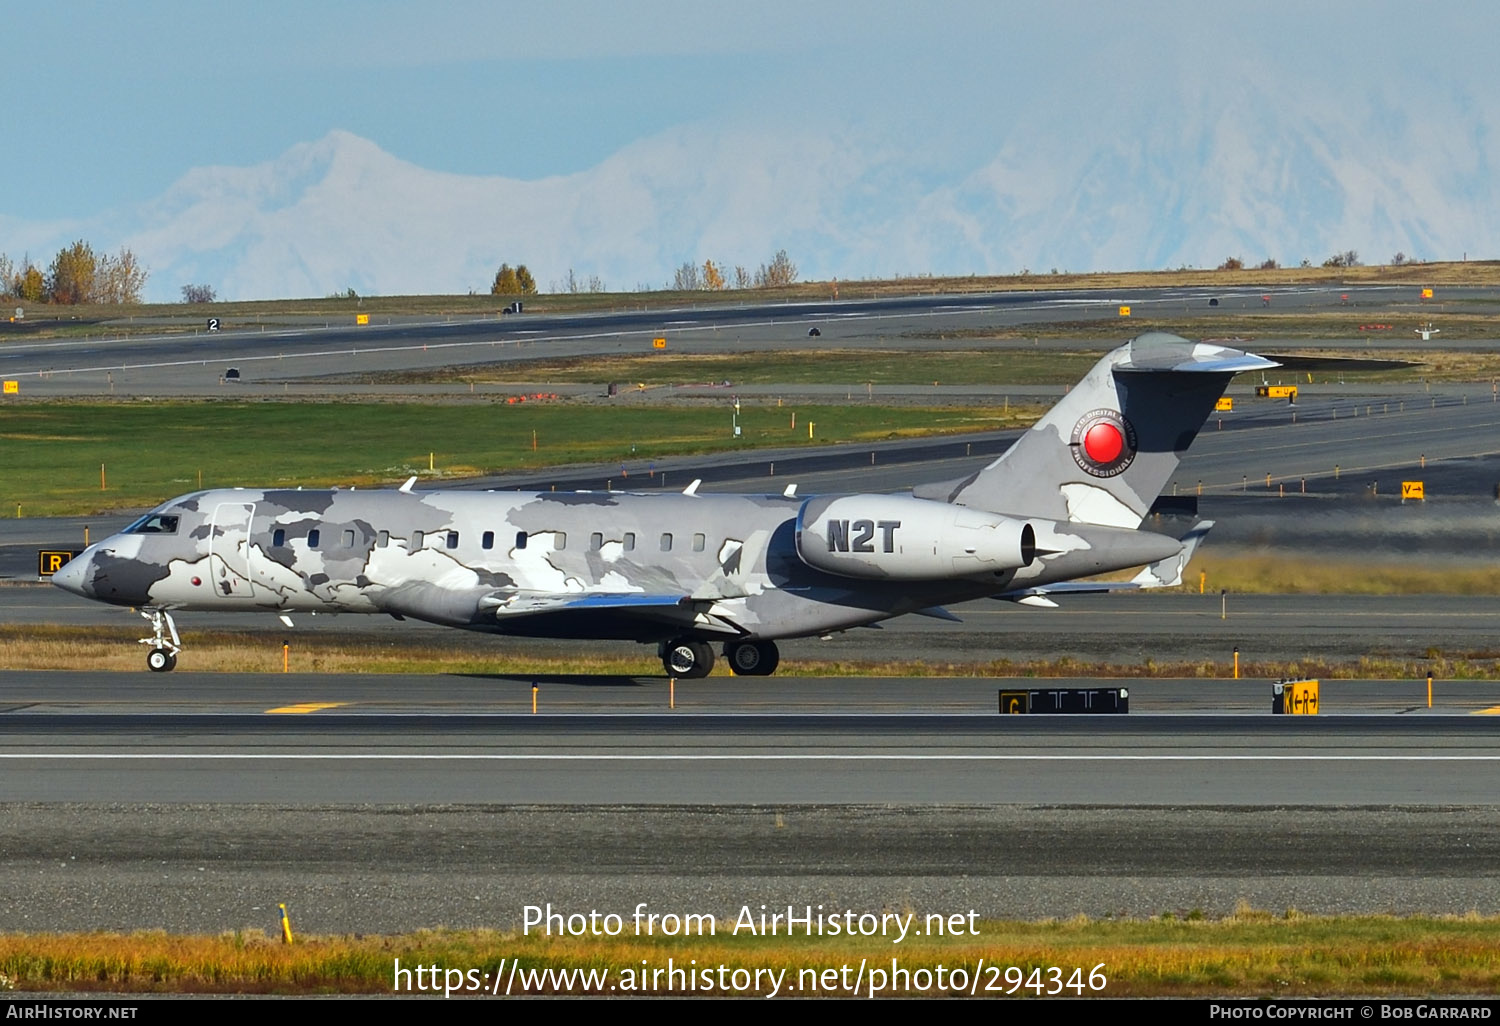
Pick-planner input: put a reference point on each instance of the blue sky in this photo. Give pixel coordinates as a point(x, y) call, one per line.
point(940, 137)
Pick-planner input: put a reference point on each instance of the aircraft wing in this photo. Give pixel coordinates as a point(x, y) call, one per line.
point(594, 611)
point(513, 604)
point(1164, 573)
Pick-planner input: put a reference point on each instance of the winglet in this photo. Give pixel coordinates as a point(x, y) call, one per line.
point(409, 482)
point(789, 491)
point(692, 489)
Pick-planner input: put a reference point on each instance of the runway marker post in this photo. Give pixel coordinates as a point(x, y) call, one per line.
point(286, 925)
point(286, 656)
point(1236, 662)
point(671, 692)
point(1429, 690)
point(534, 689)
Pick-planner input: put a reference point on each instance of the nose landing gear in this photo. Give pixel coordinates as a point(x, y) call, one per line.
point(162, 655)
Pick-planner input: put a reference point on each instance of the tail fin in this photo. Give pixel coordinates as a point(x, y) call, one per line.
point(1104, 453)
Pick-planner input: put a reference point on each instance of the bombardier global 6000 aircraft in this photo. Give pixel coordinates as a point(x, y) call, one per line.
point(693, 572)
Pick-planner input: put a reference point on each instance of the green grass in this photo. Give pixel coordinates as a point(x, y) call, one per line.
point(50, 453)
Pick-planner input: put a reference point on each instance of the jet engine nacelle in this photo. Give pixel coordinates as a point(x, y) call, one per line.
point(905, 538)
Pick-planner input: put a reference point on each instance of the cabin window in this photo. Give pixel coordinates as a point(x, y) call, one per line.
point(312, 538)
point(520, 539)
point(453, 539)
point(348, 539)
point(383, 539)
point(629, 541)
point(698, 542)
point(278, 537)
point(417, 537)
point(560, 540)
point(596, 541)
point(666, 543)
point(487, 540)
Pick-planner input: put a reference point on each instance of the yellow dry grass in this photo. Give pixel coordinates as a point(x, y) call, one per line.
point(1247, 954)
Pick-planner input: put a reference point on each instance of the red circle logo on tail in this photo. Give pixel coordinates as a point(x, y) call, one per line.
point(1103, 443)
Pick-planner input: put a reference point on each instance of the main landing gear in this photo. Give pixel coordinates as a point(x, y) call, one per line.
point(752, 658)
point(689, 658)
point(162, 656)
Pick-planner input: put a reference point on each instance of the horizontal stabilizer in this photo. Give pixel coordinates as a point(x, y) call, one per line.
point(1155, 353)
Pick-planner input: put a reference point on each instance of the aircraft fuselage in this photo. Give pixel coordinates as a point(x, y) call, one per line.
point(531, 563)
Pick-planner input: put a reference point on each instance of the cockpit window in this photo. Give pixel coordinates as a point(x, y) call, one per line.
point(154, 523)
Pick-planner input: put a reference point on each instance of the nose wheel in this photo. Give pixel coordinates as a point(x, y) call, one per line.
point(159, 660)
point(162, 655)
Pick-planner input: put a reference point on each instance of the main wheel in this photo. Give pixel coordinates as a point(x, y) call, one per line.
point(159, 660)
point(688, 658)
point(752, 658)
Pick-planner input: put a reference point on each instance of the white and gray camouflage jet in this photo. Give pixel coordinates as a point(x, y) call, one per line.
point(690, 572)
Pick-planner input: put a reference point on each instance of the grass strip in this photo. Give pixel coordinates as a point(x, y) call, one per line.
point(1249, 954)
point(842, 366)
point(1437, 274)
point(1361, 327)
point(51, 454)
point(111, 649)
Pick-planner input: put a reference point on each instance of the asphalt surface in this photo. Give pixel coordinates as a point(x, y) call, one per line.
point(182, 803)
point(385, 869)
point(271, 361)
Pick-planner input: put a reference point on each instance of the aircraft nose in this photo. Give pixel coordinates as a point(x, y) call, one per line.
point(73, 577)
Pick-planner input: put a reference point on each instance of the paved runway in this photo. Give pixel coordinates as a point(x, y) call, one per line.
point(272, 359)
point(390, 868)
point(183, 803)
point(929, 741)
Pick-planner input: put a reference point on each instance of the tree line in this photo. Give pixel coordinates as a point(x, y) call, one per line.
point(712, 277)
point(708, 276)
point(76, 275)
